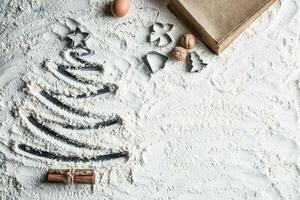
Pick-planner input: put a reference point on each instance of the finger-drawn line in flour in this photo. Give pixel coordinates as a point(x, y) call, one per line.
point(63, 106)
point(76, 124)
point(160, 34)
point(69, 80)
point(62, 70)
point(43, 128)
point(147, 16)
point(48, 105)
point(106, 89)
point(78, 93)
point(54, 156)
point(109, 122)
point(89, 68)
point(73, 56)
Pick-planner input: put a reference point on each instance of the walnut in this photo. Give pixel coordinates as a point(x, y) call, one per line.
point(188, 41)
point(179, 53)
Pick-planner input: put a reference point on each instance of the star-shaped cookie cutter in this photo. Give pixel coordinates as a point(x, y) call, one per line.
point(78, 38)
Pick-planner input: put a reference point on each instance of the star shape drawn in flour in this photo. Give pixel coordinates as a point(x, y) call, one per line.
point(78, 38)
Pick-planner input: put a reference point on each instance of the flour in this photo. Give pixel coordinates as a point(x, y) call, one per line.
point(227, 132)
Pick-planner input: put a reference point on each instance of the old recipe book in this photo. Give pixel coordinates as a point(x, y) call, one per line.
point(219, 22)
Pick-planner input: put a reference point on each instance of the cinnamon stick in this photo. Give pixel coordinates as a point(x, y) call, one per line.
point(72, 176)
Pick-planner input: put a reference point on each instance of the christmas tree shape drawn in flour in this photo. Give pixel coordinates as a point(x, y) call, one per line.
point(51, 99)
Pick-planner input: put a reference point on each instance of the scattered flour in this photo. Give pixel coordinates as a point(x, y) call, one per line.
point(228, 132)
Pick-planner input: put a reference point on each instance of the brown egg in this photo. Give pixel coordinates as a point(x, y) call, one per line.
point(120, 8)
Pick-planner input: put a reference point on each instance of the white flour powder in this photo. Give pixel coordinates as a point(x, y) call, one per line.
point(229, 132)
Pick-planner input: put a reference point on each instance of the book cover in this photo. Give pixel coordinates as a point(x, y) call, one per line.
point(219, 22)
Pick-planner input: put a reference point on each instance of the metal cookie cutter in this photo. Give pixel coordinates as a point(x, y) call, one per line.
point(78, 38)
